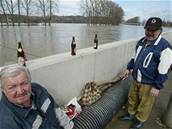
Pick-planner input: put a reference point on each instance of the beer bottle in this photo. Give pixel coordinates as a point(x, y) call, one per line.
point(21, 58)
point(95, 42)
point(73, 47)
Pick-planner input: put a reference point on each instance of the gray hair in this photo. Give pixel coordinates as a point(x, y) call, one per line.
point(13, 71)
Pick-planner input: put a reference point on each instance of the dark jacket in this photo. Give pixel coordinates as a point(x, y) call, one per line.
point(44, 113)
point(151, 62)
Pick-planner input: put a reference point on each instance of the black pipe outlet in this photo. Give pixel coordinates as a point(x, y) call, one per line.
point(99, 114)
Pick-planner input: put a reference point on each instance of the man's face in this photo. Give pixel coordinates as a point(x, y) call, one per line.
point(18, 89)
point(152, 34)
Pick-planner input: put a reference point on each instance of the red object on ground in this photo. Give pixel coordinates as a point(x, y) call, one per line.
point(71, 110)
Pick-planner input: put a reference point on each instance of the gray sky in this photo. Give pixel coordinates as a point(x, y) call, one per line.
point(142, 8)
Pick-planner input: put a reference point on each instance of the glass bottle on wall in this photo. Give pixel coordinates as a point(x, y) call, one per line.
point(73, 46)
point(95, 42)
point(21, 58)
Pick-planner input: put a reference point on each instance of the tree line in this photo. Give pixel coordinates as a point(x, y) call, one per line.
point(23, 10)
point(102, 11)
point(43, 11)
point(136, 21)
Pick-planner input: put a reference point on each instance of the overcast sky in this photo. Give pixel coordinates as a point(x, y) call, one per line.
point(142, 8)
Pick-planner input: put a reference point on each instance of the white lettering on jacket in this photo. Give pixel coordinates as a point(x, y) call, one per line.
point(147, 60)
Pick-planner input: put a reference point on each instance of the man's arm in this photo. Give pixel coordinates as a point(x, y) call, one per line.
point(61, 116)
point(163, 67)
point(130, 64)
point(127, 71)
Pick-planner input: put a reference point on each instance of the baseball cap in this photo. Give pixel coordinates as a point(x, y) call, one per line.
point(153, 23)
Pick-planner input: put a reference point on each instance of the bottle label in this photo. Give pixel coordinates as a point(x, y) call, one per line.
point(21, 61)
point(95, 45)
point(20, 50)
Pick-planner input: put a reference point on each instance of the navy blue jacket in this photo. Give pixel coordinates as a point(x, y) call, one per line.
point(151, 62)
point(44, 113)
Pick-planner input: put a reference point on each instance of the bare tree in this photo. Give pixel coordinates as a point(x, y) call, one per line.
point(116, 13)
point(18, 5)
point(3, 11)
point(102, 11)
point(43, 6)
point(50, 1)
point(87, 8)
point(10, 6)
point(26, 4)
point(47, 7)
point(53, 6)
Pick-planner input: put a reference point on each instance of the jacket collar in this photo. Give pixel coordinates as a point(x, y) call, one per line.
point(154, 42)
point(17, 109)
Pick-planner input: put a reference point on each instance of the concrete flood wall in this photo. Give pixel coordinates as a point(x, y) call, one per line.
point(64, 75)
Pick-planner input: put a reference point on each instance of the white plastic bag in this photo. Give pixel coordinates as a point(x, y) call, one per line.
point(73, 108)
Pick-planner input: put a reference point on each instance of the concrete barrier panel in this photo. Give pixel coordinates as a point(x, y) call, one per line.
point(65, 75)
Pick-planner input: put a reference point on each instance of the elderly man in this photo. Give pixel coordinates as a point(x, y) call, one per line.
point(149, 68)
point(26, 105)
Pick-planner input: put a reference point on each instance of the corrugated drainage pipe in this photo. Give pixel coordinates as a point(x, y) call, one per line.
point(98, 115)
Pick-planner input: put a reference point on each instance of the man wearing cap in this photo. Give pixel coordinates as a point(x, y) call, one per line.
point(149, 67)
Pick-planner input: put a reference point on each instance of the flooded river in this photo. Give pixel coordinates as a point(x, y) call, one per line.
point(41, 41)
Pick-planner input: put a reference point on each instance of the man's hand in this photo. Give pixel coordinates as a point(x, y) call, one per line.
point(154, 92)
point(125, 74)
